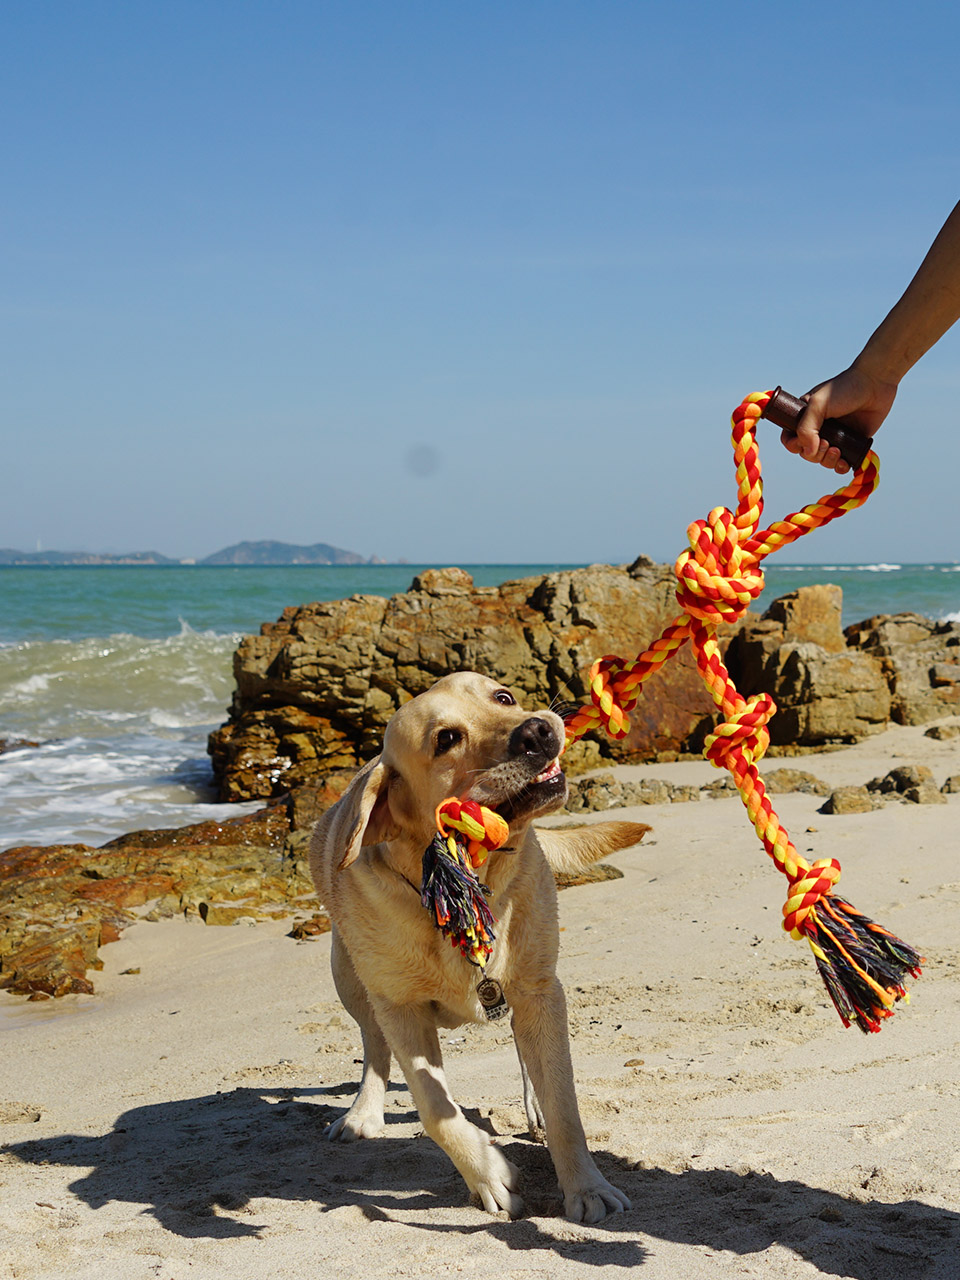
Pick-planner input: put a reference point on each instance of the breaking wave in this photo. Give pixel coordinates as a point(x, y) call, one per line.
point(114, 684)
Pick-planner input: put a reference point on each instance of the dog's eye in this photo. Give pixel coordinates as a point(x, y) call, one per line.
point(446, 739)
point(505, 698)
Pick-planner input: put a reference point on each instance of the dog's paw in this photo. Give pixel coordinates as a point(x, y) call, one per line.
point(352, 1126)
point(493, 1186)
point(594, 1201)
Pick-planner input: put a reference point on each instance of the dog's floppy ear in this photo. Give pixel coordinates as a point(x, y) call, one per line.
point(364, 811)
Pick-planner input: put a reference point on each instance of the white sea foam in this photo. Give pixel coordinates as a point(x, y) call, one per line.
point(58, 688)
point(123, 722)
point(89, 791)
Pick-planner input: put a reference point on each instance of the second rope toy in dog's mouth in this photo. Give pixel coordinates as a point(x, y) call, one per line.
point(466, 833)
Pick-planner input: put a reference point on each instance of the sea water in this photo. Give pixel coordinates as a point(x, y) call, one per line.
point(119, 673)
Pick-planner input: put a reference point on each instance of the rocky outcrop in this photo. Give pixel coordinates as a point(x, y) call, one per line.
point(314, 691)
point(849, 800)
point(601, 791)
point(920, 661)
point(59, 905)
point(593, 794)
point(911, 782)
point(825, 691)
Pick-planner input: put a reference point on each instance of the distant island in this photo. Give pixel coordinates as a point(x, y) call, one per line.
point(241, 553)
point(285, 553)
point(8, 557)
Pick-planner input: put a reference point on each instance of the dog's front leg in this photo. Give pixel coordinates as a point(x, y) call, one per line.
point(540, 1029)
point(364, 1119)
point(490, 1176)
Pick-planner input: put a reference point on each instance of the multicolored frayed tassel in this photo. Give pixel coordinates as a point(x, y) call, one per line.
point(466, 832)
point(861, 963)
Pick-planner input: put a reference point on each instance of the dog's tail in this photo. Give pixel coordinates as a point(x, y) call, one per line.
point(570, 850)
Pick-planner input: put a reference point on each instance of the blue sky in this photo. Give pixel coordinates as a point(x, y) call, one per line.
point(265, 265)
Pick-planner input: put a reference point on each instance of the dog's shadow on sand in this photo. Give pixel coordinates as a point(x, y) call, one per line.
point(200, 1162)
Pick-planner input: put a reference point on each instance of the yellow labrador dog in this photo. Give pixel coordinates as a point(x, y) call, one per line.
point(401, 979)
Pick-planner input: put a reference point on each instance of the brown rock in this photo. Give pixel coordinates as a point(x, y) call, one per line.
point(316, 689)
point(58, 905)
point(901, 779)
point(919, 659)
point(943, 732)
point(952, 785)
point(54, 964)
point(315, 797)
point(219, 913)
point(925, 793)
point(312, 928)
point(848, 800)
point(123, 891)
point(682, 794)
point(811, 615)
point(591, 795)
point(824, 691)
point(449, 581)
point(780, 781)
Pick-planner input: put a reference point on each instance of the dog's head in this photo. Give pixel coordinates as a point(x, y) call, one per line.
point(465, 737)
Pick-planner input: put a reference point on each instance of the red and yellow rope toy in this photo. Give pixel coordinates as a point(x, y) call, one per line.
point(861, 963)
point(466, 833)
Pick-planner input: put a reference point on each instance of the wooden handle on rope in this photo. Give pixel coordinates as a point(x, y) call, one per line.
point(785, 410)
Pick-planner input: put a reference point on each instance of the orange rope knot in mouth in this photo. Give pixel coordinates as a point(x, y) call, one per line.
point(484, 828)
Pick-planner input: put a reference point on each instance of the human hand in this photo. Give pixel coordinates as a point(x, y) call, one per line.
point(857, 398)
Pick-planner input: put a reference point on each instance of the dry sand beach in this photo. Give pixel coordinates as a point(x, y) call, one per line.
point(169, 1126)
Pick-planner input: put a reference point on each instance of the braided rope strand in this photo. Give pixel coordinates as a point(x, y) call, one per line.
point(861, 963)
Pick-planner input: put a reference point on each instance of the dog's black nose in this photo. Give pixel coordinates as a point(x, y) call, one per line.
point(535, 737)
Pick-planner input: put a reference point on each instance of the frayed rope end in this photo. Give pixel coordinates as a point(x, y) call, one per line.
point(457, 899)
point(863, 965)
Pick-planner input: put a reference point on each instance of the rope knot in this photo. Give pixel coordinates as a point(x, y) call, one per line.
point(744, 733)
point(718, 577)
point(484, 828)
point(607, 692)
point(807, 887)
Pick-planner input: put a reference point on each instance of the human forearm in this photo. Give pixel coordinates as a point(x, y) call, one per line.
point(863, 394)
point(929, 306)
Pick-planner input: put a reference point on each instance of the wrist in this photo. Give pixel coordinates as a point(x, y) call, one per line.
point(880, 366)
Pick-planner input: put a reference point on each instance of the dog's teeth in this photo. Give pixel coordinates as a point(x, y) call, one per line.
point(551, 771)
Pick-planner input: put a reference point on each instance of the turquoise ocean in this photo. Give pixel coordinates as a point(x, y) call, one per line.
point(118, 674)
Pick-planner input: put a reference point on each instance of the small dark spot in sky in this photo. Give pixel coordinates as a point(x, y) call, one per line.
point(422, 460)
